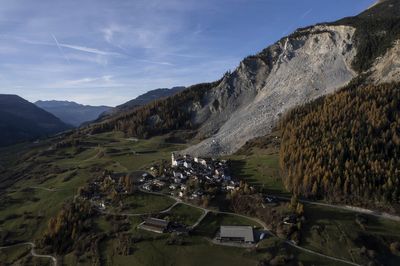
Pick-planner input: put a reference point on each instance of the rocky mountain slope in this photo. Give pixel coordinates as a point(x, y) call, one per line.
point(21, 120)
point(72, 113)
point(303, 66)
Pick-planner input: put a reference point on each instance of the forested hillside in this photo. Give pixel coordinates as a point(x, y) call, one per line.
point(158, 117)
point(346, 146)
point(21, 120)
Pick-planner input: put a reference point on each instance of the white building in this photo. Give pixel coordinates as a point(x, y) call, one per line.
point(187, 164)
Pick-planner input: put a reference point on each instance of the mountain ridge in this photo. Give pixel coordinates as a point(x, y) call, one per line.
point(21, 120)
point(71, 112)
point(309, 63)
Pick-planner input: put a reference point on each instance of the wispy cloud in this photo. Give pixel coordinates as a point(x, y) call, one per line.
point(88, 49)
point(64, 45)
point(305, 14)
point(302, 17)
point(60, 49)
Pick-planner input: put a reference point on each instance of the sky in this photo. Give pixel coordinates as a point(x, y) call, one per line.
point(106, 52)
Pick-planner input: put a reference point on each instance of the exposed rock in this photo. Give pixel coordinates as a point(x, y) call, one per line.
point(387, 68)
point(309, 63)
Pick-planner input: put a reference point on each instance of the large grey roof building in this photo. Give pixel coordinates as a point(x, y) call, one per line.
point(237, 234)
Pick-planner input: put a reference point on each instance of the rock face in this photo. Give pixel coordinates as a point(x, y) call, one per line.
point(310, 63)
point(387, 68)
point(307, 64)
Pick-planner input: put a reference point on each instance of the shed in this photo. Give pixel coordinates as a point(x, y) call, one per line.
point(237, 234)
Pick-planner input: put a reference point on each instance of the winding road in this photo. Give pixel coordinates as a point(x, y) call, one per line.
point(33, 252)
point(382, 215)
point(206, 211)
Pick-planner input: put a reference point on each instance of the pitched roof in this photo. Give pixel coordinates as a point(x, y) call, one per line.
point(156, 222)
point(245, 232)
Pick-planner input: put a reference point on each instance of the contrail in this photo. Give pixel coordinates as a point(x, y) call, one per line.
point(60, 49)
point(303, 16)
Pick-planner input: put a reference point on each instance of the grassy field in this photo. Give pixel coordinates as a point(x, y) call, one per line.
point(141, 202)
point(184, 214)
point(196, 251)
point(336, 233)
point(26, 207)
point(260, 169)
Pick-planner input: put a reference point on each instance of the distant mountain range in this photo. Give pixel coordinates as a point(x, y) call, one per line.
point(73, 113)
point(21, 120)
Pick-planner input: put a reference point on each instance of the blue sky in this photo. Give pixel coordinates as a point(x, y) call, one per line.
point(110, 51)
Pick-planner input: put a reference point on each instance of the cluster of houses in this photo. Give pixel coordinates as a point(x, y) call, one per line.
point(186, 169)
point(100, 191)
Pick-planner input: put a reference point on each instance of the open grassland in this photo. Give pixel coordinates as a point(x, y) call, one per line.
point(43, 180)
point(184, 214)
point(259, 169)
point(140, 202)
point(46, 180)
point(337, 233)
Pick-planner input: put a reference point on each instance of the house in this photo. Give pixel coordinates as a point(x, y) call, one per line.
point(226, 177)
point(270, 199)
point(230, 187)
point(173, 186)
point(158, 183)
point(178, 174)
point(187, 164)
point(203, 162)
point(241, 234)
point(148, 187)
point(175, 162)
point(154, 225)
point(290, 220)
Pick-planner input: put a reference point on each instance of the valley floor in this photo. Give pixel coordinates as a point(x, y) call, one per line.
point(39, 180)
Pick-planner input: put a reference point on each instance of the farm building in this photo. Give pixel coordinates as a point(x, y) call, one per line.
point(242, 234)
point(154, 225)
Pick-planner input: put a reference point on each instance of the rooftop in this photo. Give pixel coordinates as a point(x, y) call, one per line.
point(156, 222)
point(245, 232)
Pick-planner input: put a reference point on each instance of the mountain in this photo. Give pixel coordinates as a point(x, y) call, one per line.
point(21, 120)
point(299, 68)
point(142, 100)
point(149, 97)
point(72, 113)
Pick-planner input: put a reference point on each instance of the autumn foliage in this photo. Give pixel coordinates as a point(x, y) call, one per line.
point(345, 146)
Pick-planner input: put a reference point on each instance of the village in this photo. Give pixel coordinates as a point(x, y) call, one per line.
point(191, 181)
point(190, 178)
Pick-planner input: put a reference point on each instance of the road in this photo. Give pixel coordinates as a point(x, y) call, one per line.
point(33, 252)
point(206, 211)
point(382, 215)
